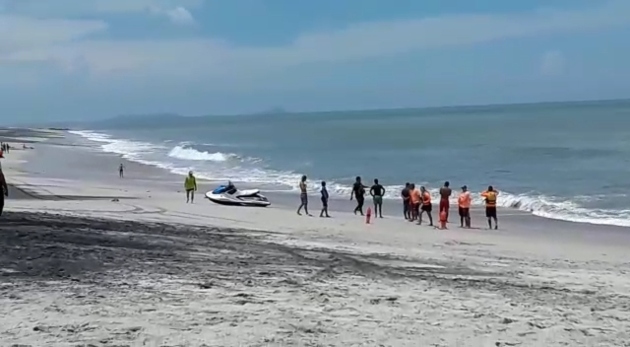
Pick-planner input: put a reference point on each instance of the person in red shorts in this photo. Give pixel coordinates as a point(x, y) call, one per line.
point(445, 195)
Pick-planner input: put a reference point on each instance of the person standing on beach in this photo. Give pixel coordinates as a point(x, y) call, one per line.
point(325, 197)
point(121, 170)
point(5, 190)
point(416, 199)
point(377, 191)
point(303, 197)
point(190, 185)
point(445, 195)
point(405, 194)
point(358, 191)
point(427, 206)
point(463, 202)
point(490, 197)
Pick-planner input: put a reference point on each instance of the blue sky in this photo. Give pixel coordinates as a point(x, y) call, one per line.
point(84, 59)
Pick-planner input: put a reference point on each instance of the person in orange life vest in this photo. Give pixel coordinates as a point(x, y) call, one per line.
point(426, 206)
point(490, 198)
point(464, 200)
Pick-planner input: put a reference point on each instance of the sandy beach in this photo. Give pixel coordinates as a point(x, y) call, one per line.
point(88, 259)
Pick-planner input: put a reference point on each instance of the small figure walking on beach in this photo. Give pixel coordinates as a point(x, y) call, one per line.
point(325, 196)
point(426, 206)
point(445, 195)
point(490, 197)
point(405, 194)
point(358, 191)
point(190, 184)
point(377, 191)
point(303, 197)
point(463, 202)
point(121, 170)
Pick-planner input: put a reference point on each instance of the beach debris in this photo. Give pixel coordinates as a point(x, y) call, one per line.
point(206, 285)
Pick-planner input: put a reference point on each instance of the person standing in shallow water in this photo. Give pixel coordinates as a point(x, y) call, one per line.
point(445, 195)
point(358, 191)
point(324, 192)
point(377, 191)
point(121, 170)
point(190, 185)
point(303, 197)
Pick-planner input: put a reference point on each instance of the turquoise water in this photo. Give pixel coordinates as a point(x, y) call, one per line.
point(567, 161)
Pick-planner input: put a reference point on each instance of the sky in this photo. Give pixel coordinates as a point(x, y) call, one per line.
point(89, 59)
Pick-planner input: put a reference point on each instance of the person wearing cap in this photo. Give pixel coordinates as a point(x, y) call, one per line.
point(190, 184)
point(464, 201)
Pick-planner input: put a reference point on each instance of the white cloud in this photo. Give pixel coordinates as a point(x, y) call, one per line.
point(204, 57)
point(552, 63)
point(178, 15)
point(71, 8)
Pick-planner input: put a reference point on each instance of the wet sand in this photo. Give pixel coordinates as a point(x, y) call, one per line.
point(105, 263)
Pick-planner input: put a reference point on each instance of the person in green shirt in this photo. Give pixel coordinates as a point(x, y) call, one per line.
point(190, 184)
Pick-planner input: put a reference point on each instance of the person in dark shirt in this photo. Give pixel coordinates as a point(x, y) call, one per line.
point(325, 196)
point(405, 194)
point(4, 190)
point(377, 191)
point(358, 191)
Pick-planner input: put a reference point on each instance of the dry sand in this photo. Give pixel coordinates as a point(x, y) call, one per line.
point(94, 263)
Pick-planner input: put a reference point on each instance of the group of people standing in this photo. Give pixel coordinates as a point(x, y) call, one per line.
point(359, 190)
point(416, 202)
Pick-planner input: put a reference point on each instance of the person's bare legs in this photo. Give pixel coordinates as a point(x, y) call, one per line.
point(303, 204)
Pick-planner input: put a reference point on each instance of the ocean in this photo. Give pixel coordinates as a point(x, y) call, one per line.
point(568, 161)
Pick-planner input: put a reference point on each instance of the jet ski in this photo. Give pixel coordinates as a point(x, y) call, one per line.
point(229, 195)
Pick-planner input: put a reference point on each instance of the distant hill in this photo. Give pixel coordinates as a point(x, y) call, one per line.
point(275, 110)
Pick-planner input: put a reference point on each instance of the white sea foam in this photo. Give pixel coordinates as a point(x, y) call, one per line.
point(183, 153)
point(187, 153)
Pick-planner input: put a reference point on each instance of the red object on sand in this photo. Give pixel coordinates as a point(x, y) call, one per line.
point(443, 219)
point(368, 215)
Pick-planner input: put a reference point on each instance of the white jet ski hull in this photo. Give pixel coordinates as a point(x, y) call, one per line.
point(240, 198)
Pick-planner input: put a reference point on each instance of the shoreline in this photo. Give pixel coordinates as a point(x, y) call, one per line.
point(288, 200)
point(92, 259)
point(525, 203)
